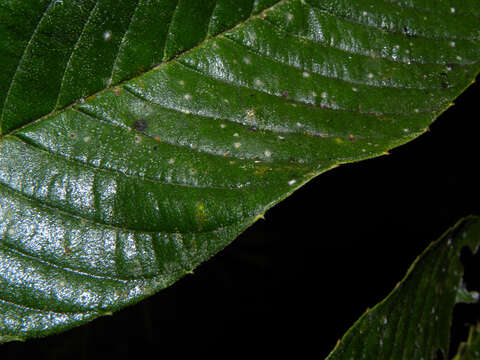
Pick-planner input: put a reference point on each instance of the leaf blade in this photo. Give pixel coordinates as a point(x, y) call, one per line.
point(471, 348)
point(413, 321)
point(112, 198)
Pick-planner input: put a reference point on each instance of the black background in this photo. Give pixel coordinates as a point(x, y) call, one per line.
point(294, 283)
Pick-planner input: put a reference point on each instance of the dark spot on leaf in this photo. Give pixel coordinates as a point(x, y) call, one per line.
point(444, 85)
point(285, 93)
point(252, 128)
point(407, 32)
point(140, 125)
point(292, 159)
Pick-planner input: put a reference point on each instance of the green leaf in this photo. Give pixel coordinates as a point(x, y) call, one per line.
point(140, 138)
point(413, 322)
point(465, 296)
point(470, 350)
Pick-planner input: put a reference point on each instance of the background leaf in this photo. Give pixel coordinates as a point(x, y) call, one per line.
point(470, 350)
point(112, 198)
point(414, 321)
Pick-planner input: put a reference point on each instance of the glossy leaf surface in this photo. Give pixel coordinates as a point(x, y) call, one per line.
point(140, 138)
point(413, 322)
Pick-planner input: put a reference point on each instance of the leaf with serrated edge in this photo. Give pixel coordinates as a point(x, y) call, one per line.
point(413, 322)
point(139, 138)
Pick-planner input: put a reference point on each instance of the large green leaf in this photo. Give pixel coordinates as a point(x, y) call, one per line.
point(140, 138)
point(413, 322)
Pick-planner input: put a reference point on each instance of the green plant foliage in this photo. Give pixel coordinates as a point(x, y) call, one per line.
point(413, 322)
point(470, 350)
point(139, 138)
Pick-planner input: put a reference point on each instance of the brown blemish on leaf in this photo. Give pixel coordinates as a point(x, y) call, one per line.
point(140, 125)
point(261, 170)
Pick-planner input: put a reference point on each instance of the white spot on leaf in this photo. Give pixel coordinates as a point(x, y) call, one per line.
point(107, 35)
